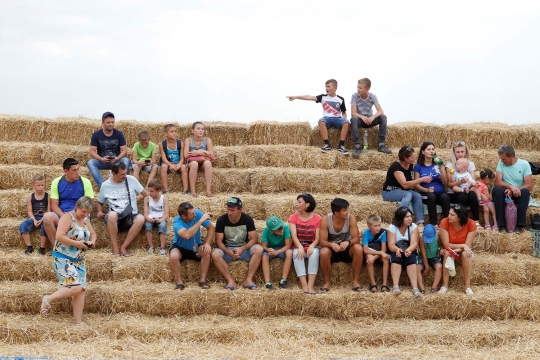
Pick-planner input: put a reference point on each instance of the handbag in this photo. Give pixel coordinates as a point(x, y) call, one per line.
point(125, 220)
point(510, 214)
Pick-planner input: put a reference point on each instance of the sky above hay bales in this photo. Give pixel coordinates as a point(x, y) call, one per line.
point(236, 60)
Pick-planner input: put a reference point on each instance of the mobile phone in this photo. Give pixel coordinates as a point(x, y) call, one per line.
point(146, 161)
point(110, 157)
point(88, 245)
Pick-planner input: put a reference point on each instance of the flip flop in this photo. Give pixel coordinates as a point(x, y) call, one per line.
point(385, 288)
point(252, 287)
point(323, 290)
point(204, 285)
point(45, 307)
point(180, 287)
point(126, 254)
point(229, 287)
point(372, 288)
point(210, 195)
point(82, 324)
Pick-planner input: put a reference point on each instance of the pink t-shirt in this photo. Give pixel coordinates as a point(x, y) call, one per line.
point(305, 230)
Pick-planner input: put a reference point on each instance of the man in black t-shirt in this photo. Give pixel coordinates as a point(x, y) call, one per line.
point(236, 239)
point(107, 147)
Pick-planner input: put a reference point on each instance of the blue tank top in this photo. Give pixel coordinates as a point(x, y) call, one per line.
point(200, 147)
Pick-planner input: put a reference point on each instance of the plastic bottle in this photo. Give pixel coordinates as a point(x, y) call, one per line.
point(366, 147)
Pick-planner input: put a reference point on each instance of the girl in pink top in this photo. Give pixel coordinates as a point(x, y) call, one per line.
point(486, 204)
point(304, 226)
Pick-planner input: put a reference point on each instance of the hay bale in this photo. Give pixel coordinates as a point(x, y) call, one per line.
point(226, 156)
point(274, 133)
point(333, 137)
point(252, 156)
point(226, 133)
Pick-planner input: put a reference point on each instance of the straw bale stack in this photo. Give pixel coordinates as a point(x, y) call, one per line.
point(21, 177)
point(295, 156)
point(13, 152)
point(226, 156)
point(334, 136)
point(274, 133)
point(13, 203)
point(226, 133)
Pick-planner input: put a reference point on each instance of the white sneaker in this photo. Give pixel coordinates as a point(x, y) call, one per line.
point(443, 290)
point(469, 291)
point(162, 252)
point(150, 251)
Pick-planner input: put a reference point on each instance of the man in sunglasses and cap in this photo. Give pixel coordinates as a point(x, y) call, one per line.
point(236, 239)
point(65, 191)
point(107, 146)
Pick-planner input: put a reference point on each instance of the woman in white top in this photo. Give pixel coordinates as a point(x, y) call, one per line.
point(460, 150)
point(402, 237)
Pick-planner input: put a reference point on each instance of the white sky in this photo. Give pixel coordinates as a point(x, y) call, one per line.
point(430, 61)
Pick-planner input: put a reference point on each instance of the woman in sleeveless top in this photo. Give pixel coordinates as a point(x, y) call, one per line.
point(199, 153)
point(69, 261)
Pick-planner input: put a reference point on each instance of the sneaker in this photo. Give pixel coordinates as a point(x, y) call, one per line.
point(326, 148)
point(270, 287)
point(469, 291)
point(186, 192)
point(150, 251)
point(502, 230)
point(342, 150)
point(356, 153)
point(384, 149)
point(284, 285)
point(162, 252)
point(41, 251)
point(443, 290)
point(165, 192)
point(29, 250)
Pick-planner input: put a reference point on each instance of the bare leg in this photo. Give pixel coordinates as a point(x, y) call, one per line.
point(437, 276)
point(70, 291)
point(311, 283)
point(184, 174)
point(205, 263)
point(303, 283)
point(419, 277)
point(136, 172)
point(445, 272)
point(43, 241)
point(162, 240)
point(385, 266)
point(174, 262)
point(149, 238)
point(344, 131)
point(412, 271)
point(266, 267)
point(323, 130)
point(164, 179)
point(222, 267)
point(26, 239)
point(287, 264)
point(207, 168)
point(370, 269)
point(395, 270)
point(193, 171)
point(253, 263)
point(78, 305)
point(467, 269)
point(153, 173)
point(325, 264)
point(492, 209)
point(138, 223)
point(50, 222)
point(357, 253)
point(485, 210)
point(112, 229)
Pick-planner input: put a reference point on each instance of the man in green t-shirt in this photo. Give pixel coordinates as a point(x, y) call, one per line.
point(276, 242)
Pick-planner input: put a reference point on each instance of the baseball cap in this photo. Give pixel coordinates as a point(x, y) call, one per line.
point(274, 223)
point(429, 233)
point(234, 201)
point(107, 114)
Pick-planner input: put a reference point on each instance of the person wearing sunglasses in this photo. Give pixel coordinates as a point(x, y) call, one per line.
point(400, 183)
point(460, 150)
point(434, 192)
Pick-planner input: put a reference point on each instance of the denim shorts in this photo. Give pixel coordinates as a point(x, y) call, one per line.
point(162, 227)
point(272, 257)
point(431, 261)
point(146, 168)
point(28, 225)
point(246, 255)
point(334, 122)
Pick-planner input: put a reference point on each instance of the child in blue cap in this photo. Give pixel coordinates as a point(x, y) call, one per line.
point(430, 256)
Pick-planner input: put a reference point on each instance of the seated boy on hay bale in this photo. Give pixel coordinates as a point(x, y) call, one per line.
point(276, 242)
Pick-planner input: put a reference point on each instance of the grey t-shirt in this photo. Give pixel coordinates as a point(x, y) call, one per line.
point(337, 237)
point(364, 107)
point(116, 194)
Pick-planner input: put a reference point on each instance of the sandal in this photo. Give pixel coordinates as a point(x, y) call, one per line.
point(204, 285)
point(495, 228)
point(433, 290)
point(396, 291)
point(385, 288)
point(487, 227)
point(210, 195)
point(180, 287)
point(416, 292)
point(443, 290)
point(373, 288)
point(324, 290)
point(45, 306)
point(359, 289)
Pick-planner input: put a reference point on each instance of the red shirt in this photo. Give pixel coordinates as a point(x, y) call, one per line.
point(457, 236)
point(305, 230)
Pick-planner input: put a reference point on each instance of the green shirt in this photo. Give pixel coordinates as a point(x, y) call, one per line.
point(144, 153)
point(432, 250)
point(275, 241)
point(514, 174)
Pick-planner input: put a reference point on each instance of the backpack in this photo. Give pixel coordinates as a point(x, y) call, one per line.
point(178, 147)
point(535, 168)
point(510, 214)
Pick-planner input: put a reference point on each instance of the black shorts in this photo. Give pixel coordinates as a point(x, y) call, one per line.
point(403, 260)
point(342, 256)
point(186, 254)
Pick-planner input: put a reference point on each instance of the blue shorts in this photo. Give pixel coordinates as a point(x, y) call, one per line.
point(272, 257)
point(162, 227)
point(246, 255)
point(146, 168)
point(403, 260)
point(431, 261)
point(28, 225)
point(334, 122)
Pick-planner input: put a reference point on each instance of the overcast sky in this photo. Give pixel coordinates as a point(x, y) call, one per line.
point(429, 61)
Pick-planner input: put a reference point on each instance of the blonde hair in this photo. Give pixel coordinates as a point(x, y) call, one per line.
point(143, 135)
point(155, 184)
point(366, 82)
point(456, 145)
point(331, 81)
point(85, 203)
point(372, 219)
point(38, 177)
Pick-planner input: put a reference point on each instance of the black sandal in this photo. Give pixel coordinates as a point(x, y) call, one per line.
point(179, 287)
point(374, 288)
point(385, 288)
point(204, 285)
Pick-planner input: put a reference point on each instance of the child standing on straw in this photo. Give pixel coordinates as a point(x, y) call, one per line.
point(429, 257)
point(199, 154)
point(156, 214)
point(487, 206)
point(276, 242)
point(37, 204)
point(172, 158)
point(144, 156)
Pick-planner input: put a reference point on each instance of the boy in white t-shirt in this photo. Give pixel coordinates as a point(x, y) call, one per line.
point(334, 115)
point(156, 214)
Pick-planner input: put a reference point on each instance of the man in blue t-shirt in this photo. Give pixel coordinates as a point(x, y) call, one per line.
point(107, 146)
point(115, 192)
point(513, 178)
point(65, 191)
point(187, 244)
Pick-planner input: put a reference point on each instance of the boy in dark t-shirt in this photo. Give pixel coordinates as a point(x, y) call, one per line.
point(37, 205)
point(236, 239)
point(107, 146)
